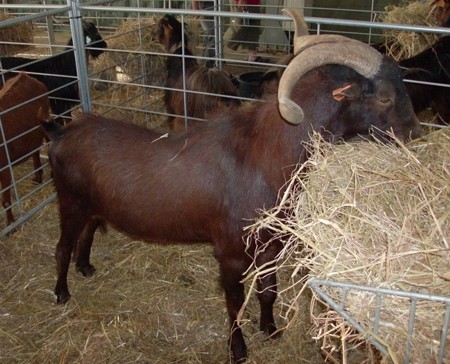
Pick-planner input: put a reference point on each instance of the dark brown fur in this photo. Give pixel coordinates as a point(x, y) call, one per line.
point(22, 123)
point(207, 184)
point(202, 100)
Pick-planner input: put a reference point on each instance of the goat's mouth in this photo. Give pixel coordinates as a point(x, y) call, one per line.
point(383, 137)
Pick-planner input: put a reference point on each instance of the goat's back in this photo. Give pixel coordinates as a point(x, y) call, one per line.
point(156, 187)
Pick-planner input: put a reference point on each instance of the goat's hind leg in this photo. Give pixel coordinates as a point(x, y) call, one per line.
point(72, 224)
point(5, 183)
point(82, 251)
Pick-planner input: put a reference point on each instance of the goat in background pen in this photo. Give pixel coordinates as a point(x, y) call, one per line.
point(206, 90)
point(431, 66)
point(57, 72)
point(23, 104)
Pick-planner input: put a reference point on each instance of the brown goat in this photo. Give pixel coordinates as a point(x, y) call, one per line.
point(22, 134)
point(231, 167)
point(441, 10)
point(206, 90)
point(202, 102)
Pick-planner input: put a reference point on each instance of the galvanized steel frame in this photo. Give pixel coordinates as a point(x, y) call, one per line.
point(317, 284)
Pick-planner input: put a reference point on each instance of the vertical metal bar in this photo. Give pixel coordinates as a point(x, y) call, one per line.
point(183, 60)
point(376, 319)
point(372, 17)
point(412, 317)
point(218, 34)
point(50, 31)
point(444, 332)
point(76, 28)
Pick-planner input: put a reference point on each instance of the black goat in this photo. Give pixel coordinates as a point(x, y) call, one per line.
point(231, 167)
point(431, 65)
point(207, 90)
point(57, 72)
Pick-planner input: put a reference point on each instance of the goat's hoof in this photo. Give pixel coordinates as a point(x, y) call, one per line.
point(240, 360)
point(62, 298)
point(86, 270)
point(239, 353)
point(276, 335)
point(271, 331)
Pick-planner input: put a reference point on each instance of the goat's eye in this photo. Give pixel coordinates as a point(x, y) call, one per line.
point(385, 100)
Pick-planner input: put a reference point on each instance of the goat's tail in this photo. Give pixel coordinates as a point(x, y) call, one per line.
point(52, 129)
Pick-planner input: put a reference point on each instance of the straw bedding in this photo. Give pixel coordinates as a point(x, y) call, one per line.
point(373, 215)
point(404, 44)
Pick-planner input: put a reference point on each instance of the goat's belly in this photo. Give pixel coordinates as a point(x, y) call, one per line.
point(155, 227)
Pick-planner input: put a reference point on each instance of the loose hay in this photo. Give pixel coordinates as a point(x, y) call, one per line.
point(18, 33)
point(405, 44)
point(374, 215)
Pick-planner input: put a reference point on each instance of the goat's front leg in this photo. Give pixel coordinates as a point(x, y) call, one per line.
point(267, 287)
point(234, 295)
point(267, 294)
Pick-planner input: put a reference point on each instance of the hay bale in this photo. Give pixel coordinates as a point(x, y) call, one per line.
point(20, 33)
point(373, 215)
point(404, 44)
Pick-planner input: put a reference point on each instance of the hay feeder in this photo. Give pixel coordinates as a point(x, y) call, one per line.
point(378, 295)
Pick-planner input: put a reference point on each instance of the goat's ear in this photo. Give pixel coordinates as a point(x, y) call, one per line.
point(351, 91)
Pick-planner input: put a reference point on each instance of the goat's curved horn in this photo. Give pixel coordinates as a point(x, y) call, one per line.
point(317, 50)
point(300, 26)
